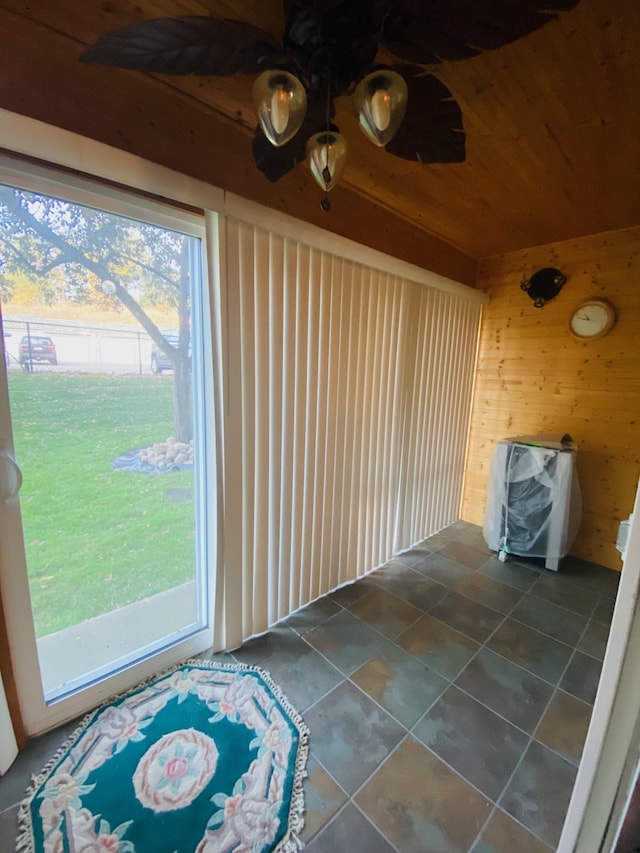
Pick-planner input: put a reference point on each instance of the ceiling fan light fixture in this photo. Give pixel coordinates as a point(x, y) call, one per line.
point(379, 104)
point(281, 103)
point(326, 155)
point(331, 47)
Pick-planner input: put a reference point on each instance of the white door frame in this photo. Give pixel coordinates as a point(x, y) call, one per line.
point(8, 743)
point(600, 787)
point(57, 147)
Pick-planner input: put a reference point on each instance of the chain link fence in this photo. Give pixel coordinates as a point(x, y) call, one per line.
point(81, 347)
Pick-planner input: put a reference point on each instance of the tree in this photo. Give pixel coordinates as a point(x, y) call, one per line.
point(105, 256)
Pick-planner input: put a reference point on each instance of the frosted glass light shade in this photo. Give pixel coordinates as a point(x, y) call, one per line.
point(326, 155)
point(281, 102)
point(379, 103)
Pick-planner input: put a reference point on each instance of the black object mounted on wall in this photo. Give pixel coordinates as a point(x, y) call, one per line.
point(544, 285)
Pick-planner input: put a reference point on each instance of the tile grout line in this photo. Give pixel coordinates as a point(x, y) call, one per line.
point(351, 802)
point(450, 681)
point(347, 678)
point(556, 687)
point(574, 648)
point(494, 803)
point(452, 769)
point(484, 645)
point(532, 738)
point(365, 781)
point(360, 689)
point(375, 826)
point(408, 731)
point(496, 808)
point(507, 615)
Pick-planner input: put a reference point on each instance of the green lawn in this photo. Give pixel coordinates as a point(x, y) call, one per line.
point(97, 539)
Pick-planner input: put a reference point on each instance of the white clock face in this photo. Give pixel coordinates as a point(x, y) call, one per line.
point(590, 319)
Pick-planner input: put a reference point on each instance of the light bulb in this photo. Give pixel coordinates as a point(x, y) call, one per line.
point(280, 109)
point(281, 102)
point(326, 155)
point(381, 109)
point(379, 103)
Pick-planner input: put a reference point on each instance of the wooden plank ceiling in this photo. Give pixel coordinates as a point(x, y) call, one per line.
point(552, 123)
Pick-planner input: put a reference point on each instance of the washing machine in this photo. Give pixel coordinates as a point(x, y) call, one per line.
point(533, 501)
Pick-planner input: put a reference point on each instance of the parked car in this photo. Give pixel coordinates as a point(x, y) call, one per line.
point(159, 359)
point(37, 348)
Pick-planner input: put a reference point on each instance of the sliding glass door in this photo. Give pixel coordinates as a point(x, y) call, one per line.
point(104, 400)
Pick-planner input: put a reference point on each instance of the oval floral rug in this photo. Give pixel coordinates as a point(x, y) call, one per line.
point(207, 758)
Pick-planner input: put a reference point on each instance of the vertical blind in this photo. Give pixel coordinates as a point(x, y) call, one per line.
point(346, 394)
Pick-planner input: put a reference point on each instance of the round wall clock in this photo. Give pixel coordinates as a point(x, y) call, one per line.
point(593, 318)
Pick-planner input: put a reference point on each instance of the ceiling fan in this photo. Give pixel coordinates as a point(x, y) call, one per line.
point(331, 48)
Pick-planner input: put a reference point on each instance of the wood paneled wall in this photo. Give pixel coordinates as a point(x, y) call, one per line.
point(534, 377)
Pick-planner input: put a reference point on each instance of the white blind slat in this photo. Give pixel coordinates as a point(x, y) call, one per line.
point(270, 303)
point(345, 439)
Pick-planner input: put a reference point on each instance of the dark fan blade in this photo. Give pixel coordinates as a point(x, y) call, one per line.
point(292, 7)
point(431, 130)
point(428, 31)
point(332, 42)
point(275, 162)
point(188, 45)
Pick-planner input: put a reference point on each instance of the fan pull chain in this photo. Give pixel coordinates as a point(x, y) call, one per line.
point(325, 204)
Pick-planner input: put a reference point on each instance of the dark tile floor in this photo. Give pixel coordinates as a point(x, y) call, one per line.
point(448, 697)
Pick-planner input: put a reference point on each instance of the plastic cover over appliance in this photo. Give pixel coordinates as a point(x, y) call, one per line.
point(534, 505)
